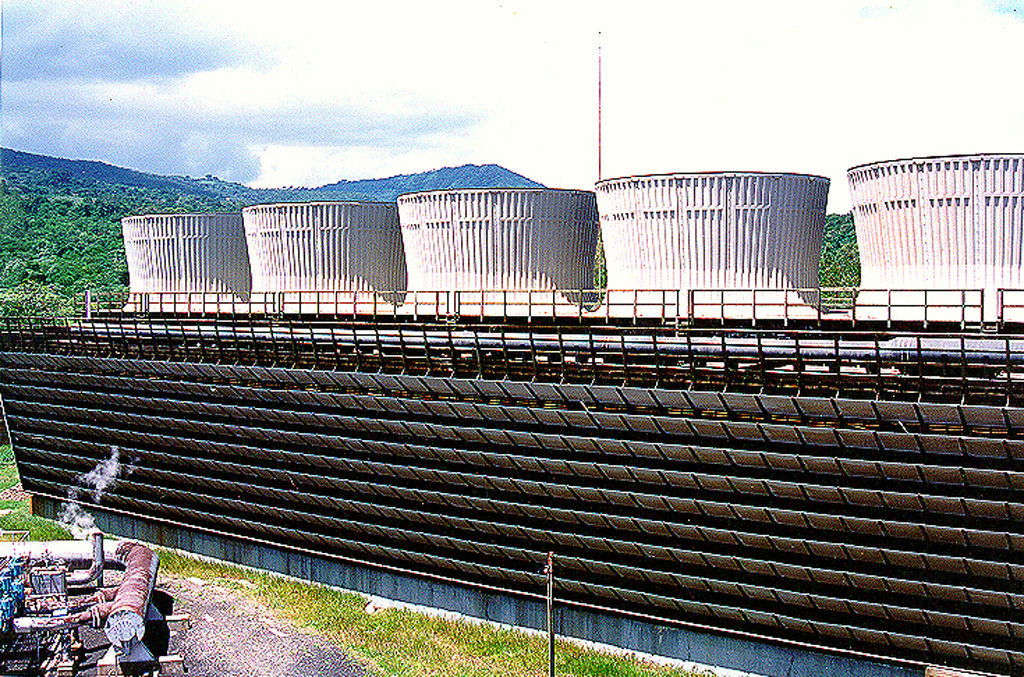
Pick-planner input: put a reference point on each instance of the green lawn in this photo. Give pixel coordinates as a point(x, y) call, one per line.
point(16, 515)
point(392, 642)
point(409, 644)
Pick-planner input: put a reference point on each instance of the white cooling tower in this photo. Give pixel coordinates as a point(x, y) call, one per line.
point(728, 230)
point(186, 253)
point(952, 222)
point(499, 238)
point(325, 246)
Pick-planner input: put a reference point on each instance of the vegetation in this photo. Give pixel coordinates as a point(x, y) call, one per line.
point(62, 232)
point(15, 514)
point(32, 299)
point(840, 260)
point(600, 266)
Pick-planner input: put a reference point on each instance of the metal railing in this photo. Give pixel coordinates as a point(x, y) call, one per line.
point(932, 366)
point(962, 308)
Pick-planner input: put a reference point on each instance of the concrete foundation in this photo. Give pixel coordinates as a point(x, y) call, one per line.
point(733, 652)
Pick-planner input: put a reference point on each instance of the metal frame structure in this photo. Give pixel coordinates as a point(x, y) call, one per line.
point(841, 490)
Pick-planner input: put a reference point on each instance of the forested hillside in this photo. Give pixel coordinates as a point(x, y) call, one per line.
point(840, 260)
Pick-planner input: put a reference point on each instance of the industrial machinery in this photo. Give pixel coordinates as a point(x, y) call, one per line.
point(51, 589)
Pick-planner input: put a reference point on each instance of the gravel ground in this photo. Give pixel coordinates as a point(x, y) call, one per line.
point(234, 636)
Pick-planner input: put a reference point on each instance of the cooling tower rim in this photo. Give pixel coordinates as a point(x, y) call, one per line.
point(934, 158)
point(167, 214)
point(492, 191)
point(709, 174)
point(319, 203)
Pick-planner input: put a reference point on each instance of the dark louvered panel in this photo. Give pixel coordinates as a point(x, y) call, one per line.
point(890, 525)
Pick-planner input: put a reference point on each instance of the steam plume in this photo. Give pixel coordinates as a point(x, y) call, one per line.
point(96, 481)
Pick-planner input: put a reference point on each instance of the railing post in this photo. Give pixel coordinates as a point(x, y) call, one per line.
point(999, 309)
point(550, 571)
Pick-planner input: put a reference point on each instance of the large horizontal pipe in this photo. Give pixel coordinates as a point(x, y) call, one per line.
point(124, 609)
point(126, 618)
point(901, 349)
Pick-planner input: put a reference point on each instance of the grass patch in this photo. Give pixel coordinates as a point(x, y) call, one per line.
point(17, 515)
point(8, 470)
point(392, 642)
point(38, 529)
point(402, 643)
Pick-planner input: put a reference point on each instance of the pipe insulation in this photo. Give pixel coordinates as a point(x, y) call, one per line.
point(126, 618)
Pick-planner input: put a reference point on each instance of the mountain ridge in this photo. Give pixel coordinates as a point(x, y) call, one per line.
point(66, 174)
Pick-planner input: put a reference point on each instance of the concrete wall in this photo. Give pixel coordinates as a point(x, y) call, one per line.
point(325, 246)
point(734, 652)
point(713, 230)
point(186, 253)
point(499, 239)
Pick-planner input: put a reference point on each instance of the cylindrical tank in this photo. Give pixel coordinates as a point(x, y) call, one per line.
point(954, 222)
point(715, 230)
point(325, 246)
point(186, 253)
point(499, 239)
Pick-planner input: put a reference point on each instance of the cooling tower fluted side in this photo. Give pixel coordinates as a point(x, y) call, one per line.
point(186, 253)
point(953, 222)
point(503, 238)
point(713, 230)
point(325, 246)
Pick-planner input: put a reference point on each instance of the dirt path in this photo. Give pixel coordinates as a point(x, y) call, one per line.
point(232, 635)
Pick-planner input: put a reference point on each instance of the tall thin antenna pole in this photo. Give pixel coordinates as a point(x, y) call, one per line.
point(599, 149)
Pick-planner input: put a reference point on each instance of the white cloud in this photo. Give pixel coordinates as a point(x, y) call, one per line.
point(314, 92)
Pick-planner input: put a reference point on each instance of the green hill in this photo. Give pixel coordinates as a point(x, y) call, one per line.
point(840, 259)
point(60, 220)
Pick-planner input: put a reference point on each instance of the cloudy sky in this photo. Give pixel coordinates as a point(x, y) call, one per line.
point(309, 92)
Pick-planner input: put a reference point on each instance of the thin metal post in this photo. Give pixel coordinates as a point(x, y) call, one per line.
point(550, 571)
point(599, 83)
